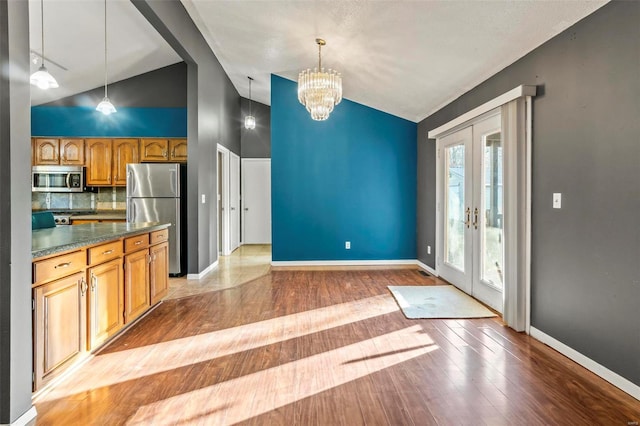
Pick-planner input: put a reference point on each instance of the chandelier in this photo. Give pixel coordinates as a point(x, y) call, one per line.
point(319, 91)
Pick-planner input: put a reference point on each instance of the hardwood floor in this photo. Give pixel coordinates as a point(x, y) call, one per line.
point(326, 348)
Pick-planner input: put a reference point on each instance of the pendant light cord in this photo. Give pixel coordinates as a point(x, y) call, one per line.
point(42, 26)
point(250, 95)
point(319, 58)
point(105, 48)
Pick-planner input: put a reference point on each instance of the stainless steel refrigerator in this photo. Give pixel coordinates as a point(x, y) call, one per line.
point(157, 193)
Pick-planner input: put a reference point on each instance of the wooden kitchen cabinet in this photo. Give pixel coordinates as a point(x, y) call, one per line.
point(60, 318)
point(46, 152)
point(72, 152)
point(177, 150)
point(159, 272)
point(98, 161)
point(125, 151)
point(136, 284)
point(154, 149)
point(106, 301)
point(66, 152)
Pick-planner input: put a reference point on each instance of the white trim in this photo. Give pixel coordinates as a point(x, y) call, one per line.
point(427, 268)
point(208, 269)
point(527, 224)
point(608, 375)
point(343, 262)
point(26, 418)
point(512, 94)
point(226, 238)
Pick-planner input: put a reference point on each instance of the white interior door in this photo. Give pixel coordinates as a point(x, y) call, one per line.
point(256, 200)
point(234, 201)
point(470, 210)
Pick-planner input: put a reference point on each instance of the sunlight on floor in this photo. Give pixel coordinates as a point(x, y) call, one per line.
point(260, 392)
point(148, 360)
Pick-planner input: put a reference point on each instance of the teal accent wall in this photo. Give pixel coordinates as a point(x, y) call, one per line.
point(127, 122)
point(349, 178)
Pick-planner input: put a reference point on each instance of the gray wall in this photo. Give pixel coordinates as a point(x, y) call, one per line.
point(213, 115)
point(162, 88)
point(586, 145)
point(256, 143)
point(15, 249)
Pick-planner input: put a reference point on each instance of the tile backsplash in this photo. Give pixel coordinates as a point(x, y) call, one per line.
point(108, 198)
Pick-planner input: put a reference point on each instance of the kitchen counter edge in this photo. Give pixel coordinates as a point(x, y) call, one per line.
point(45, 242)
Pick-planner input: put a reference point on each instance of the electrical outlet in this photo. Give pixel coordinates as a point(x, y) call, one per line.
point(428, 249)
point(204, 199)
point(347, 245)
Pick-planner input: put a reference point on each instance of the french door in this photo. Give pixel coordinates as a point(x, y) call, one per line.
point(471, 214)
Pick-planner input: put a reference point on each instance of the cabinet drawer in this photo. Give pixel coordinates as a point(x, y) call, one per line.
point(159, 236)
point(105, 252)
point(136, 243)
point(59, 266)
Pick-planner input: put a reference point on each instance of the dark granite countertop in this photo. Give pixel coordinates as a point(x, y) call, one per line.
point(49, 241)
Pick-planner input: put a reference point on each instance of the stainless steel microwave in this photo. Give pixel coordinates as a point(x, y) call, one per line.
point(57, 178)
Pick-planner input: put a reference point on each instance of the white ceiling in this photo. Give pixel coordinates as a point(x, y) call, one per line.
point(408, 58)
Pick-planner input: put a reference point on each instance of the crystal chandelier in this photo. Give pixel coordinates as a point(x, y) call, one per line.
point(42, 78)
point(319, 91)
point(250, 120)
point(105, 106)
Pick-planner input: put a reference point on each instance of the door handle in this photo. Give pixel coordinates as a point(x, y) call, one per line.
point(246, 209)
point(475, 218)
point(68, 180)
point(233, 208)
point(468, 217)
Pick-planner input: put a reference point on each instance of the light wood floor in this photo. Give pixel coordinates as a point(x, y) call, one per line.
point(323, 348)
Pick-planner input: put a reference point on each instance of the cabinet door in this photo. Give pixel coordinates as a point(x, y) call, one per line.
point(106, 301)
point(59, 326)
point(154, 150)
point(98, 159)
point(177, 150)
point(136, 284)
point(72, 152)
point(46, 152)
point(159, 272)
point(125, 151)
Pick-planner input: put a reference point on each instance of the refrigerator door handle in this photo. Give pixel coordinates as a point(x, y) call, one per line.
point(175, 181)
point(131, 211)
point(131, 183)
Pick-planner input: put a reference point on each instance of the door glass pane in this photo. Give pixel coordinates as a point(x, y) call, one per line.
point(454, 206)
point(492, 236)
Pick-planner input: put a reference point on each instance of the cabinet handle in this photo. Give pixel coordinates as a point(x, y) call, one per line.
point(468, 218)
point(107, 252)
point(149, 259)
point(63, 265)
point(137, 243)
point(164, 153)
point(173, 153)
point(94, 282)
point(83, 286)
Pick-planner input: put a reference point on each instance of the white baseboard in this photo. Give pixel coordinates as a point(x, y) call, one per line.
point(427, 268)
point(343, 262)
point(208, 269)
point(611, 377)
point(27, 417)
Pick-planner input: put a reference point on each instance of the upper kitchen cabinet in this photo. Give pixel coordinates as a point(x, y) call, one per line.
point(125, 151)
point(163, 150)
point(47, 151)
point(177, 150)
point(98, 158)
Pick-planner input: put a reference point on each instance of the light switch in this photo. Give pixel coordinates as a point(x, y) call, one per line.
point(204, 199)
point(557, 200)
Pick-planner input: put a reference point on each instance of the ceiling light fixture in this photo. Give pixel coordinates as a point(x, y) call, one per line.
point(319, 91)
point(42, 78)
point(105, 106)
point(250, 120)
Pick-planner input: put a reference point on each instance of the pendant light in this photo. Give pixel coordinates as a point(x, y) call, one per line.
point(319, 91)
point(250, 120)
point(42, 78)
point(105, 106)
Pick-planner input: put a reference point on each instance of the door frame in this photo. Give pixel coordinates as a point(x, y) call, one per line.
point(519, 267)
point(223, 203)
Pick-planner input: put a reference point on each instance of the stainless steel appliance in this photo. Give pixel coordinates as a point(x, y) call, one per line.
point(57, 178)
point(62, 219)
point(156, 193)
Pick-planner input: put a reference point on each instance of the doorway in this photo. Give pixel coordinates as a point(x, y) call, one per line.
point(256, 201)
point(471, 205)
point(228, 196)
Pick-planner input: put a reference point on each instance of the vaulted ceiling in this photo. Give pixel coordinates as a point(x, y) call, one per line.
point(407, 58)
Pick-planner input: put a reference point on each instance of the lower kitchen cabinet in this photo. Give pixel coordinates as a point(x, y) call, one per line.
point(106, 301)
point(136, 281)
point(159, 272)
point(60, 313)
